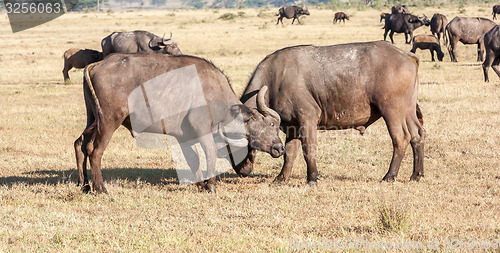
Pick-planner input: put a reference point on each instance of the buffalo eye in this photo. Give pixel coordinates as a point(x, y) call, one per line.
point(272, 124)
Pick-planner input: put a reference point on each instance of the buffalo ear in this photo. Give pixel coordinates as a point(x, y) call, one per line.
point(242, 110)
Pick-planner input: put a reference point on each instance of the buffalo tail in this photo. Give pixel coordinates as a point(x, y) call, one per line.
point(87, 82)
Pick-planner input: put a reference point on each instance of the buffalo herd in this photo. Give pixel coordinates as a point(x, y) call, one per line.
point(297, 89)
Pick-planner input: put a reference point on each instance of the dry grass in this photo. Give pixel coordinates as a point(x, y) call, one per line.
point(43, 210)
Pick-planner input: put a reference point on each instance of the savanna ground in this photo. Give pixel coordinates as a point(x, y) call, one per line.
point(42, 209)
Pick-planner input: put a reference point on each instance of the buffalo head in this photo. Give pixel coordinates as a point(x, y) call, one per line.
point(164, 46)
point(304, 12)
point(440, 55)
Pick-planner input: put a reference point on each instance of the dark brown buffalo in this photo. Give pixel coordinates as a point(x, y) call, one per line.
point(138, 42)
point(404, 23)
point(438, 26)
point(496, 10)
point(400, 8)
point(492, 45)
point(428, 42)
point(108, 84)
point(340, 16)
point(79, 58)
point(341, 87)
point(291, 12)
point(468, 30)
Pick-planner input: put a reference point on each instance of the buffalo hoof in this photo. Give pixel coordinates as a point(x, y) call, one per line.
point(416, 177)
point(206, 187)
point(279, 180)
point(312, 183)
point(211, 188)
point(389, 178)
point(85, 188)
point(99, 188)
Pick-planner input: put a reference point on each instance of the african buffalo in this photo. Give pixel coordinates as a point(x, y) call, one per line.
point(399, 9)
point(428, 42)
point(79, 58)
point(496, 10)
point(340, 16)
point(108, 88)
point(383, 16)
point(138, 42)
point(404, 23)
point(492, 45)
point(341, 87)
point(438, 26)
point(468, 30)
point(291, 12)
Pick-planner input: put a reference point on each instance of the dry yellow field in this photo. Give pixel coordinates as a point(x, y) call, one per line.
point(456, 204)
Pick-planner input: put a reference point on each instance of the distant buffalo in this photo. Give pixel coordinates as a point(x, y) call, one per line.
point(428, 42)
point(438, 26)
point(383, 16)
point(138, 42)
point(492, 45)
point(340, 16)
point(79, 58)
point(496, 10)
point(348, 86)
point(291, 12)
point(468, 30)
point(404, 23)
point(399, 9)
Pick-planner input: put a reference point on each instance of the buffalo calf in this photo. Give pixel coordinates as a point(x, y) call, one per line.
point(79, 58)
point(428, 42)
point(340, 16)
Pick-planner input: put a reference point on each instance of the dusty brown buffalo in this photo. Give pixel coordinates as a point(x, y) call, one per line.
point(341, 87)
point(438, 26)
point(403, 23)
point(468, 30)
point(110, 83)
point(340, 16)
point(399, 9)
point(496, 10)
point(291, 12)
point(138, 42)
point(492, 45)
point(79, 58)
point(428, 42)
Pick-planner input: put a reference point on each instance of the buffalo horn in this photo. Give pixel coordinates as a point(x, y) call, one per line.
point(262, 107)
point(165, 42)
point(243, 142)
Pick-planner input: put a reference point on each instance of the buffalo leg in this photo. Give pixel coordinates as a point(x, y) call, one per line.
point(417, 141)
point(308, 136)
point(193, 161)
point(490, 56)
point(292, 145)
point(495, 65)
point(293, 20)
point(480, 50)
point(65, 71)
point(208, 145)
point(390, 36)
point(385, 33)
point(81, 161)
point(400, 140)
point(432, 53)
point(451, 49)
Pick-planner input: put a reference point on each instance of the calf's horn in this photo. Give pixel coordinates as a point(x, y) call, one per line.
point(262, 107)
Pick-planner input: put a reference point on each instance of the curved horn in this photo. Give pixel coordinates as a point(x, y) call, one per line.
point(165, 42)
point(149, 44)
point(243, 142)
point(262, 107)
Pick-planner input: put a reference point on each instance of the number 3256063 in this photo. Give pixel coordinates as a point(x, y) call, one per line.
point(31, 8)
